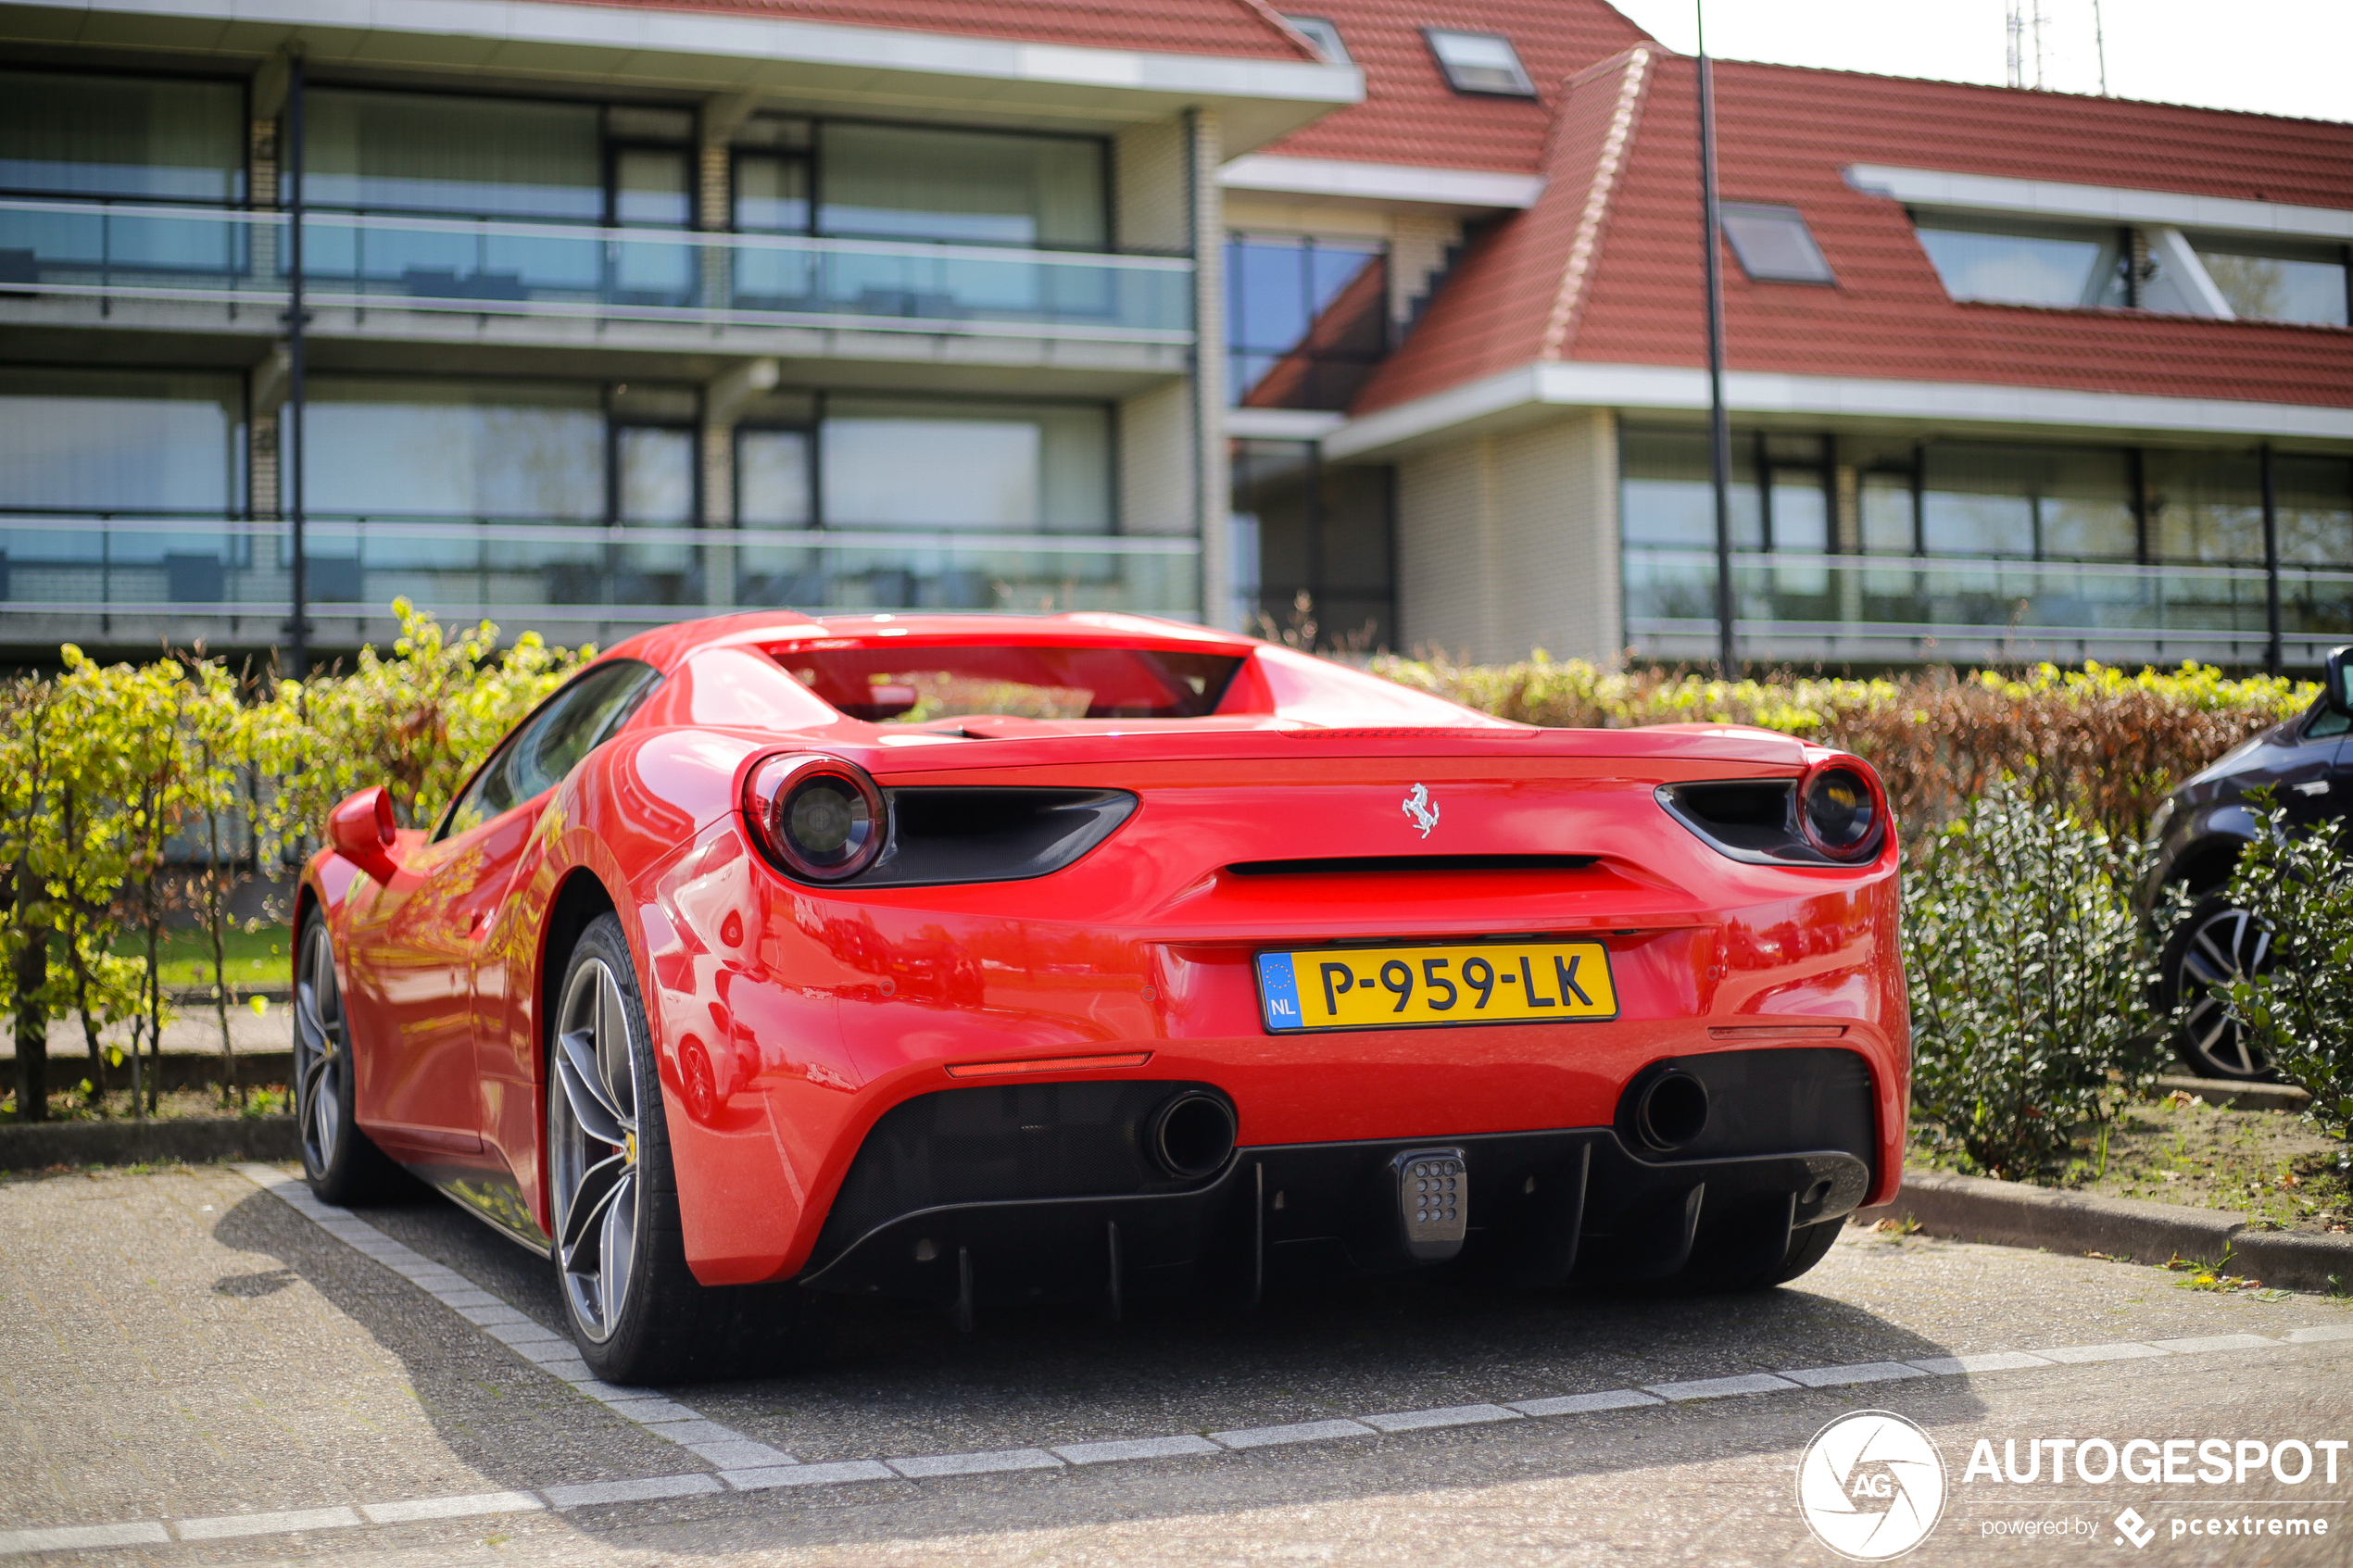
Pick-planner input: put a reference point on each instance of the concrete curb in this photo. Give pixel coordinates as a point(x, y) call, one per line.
point(42, 1145)
point(2013, 1214)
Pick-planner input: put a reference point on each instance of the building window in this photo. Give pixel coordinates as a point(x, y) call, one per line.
point(121, 442)
point(1773, 244)
point(986, 467)
point(1324, 35)
point(393, 447)
point(1479, 62)
point(122, 137)
point(424, 152)
point(1306, 318)
point(2036, 503)
point(2278, 282)
point(1669, 499)
point(167, 445)
point(771, 176)
point(2205, 506)
point(971, 187)
point(1302, 526)
point(2026, 264)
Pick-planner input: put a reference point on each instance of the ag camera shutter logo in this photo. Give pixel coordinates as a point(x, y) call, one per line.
point(1871, 1485)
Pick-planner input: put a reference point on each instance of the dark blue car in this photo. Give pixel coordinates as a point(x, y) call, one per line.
point(2307, 762)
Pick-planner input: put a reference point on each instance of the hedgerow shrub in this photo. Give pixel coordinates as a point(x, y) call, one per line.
point(109, 772)
point(2300, 1011)
point(2097, 741)
point(2028, 973)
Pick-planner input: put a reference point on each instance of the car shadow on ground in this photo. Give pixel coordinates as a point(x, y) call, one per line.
point(899, 1380)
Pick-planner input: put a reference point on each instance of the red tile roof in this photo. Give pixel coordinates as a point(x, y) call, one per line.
point(1787, 137)
point(1244, 29)
point(1410, 115)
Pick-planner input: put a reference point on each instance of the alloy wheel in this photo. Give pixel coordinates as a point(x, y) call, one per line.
point(2225, 946)
point(319, 1048)
point(594, 1176)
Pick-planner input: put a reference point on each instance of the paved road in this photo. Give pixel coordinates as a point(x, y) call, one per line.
point(184, 1351)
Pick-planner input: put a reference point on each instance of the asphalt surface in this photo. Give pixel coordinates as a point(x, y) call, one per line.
point(183, 1351)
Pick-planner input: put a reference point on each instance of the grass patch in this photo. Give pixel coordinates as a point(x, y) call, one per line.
point(256, 958)
point(2272, 1166)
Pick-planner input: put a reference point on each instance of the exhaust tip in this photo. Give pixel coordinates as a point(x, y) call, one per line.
point(1672, 1112)
point(1192, 1135)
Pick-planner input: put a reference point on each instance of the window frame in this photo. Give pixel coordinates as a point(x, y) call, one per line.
point(1446, 68)
point(1782, 212)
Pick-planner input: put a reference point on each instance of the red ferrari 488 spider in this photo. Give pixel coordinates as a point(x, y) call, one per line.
point(972, 959)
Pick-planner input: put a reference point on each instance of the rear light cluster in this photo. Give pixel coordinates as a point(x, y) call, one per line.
point(1834, 813)
point(824, 819)
point(819, 818)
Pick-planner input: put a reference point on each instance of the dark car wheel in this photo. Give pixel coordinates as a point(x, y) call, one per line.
point(637, 1312)
point(341, 1163)
point(2216, 945)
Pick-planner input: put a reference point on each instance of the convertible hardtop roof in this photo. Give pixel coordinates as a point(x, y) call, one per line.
point(777, 630)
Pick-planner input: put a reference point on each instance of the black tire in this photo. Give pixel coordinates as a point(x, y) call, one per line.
point(2217, 941)
point(634, 1310)
point(343, 1164)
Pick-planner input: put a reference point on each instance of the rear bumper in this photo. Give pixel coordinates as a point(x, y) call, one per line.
point(1544, 1208)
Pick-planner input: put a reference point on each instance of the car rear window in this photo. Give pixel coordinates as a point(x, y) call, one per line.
point(915, 685)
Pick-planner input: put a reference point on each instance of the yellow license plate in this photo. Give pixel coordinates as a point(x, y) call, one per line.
point(1410, 987)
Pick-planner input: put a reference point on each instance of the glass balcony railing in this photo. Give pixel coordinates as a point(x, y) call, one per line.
point(525, 573)
point(1792, 605)
point(488, 265)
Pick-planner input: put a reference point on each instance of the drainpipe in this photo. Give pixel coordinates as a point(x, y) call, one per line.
point(294, 472)
point(2273, 653)
point(1719, 426)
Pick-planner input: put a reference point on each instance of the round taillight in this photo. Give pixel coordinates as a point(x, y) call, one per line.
point(818, 818)
point(1842, 811)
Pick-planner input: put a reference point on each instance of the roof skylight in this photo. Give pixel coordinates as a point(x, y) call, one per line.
point(1323, 34)
point(1479, 62)
point(1774, 246)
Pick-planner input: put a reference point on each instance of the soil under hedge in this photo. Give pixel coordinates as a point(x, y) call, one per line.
point(2272, 1166)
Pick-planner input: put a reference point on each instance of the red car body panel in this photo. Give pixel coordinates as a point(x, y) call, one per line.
point(787, 1017)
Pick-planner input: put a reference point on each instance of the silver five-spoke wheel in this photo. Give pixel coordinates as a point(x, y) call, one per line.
point(594, 1178)
point(2221, 946)
point(318, 1050)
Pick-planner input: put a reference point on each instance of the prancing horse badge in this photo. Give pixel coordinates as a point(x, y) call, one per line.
point(1419, 810)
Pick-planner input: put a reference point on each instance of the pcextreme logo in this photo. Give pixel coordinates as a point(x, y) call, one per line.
point(1871, 1485)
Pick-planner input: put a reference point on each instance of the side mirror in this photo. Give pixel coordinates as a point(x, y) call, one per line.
point(361, 829)
point(2333, 688)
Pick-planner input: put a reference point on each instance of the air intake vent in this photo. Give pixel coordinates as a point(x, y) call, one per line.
point(1389, 865)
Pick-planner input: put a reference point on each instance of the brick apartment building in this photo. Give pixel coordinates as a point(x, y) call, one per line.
point(619, 311)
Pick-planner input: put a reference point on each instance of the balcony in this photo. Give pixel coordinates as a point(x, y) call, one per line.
point(118, 579)
point(485, 266)
point(1880, 608)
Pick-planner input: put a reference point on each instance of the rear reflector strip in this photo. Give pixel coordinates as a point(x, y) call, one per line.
point(1046, 1064)
point(1778, 1032)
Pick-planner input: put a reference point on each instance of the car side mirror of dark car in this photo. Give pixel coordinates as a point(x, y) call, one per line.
point(362, 831)
point(2333, 689)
